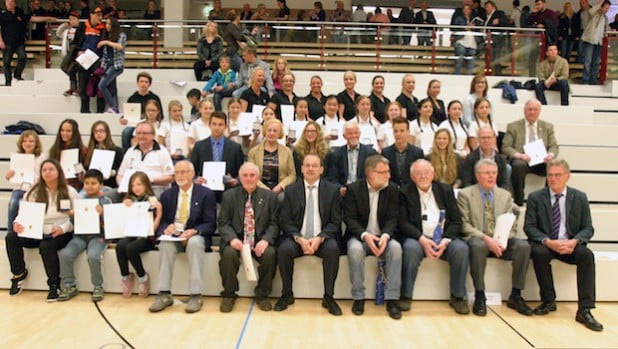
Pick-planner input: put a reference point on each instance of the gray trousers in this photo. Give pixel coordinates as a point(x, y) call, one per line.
point(94, 249)
point(357, 251)
point(517, 251)
point(196, 255)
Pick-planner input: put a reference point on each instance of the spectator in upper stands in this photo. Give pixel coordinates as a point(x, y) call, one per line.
point(254, 94)
point(424, 16)
point(553, 74)
point(87, 37)
point(311, 141)
point(113, 45)
point(496, 18)
point(422, 128)
point(459, 11)
point(316, 98)
point(406, 16)
point(234, 40)
point(478, 89)
point(445, 161)
point(284, 11)
point(261, 14)
point(458, 130)
point(101, 138)
point(339, 14)
point(36, 10)
point(542, 17)
point(84, 10)
point(515, 15)
point(347, 97)
point(222, 83)
point(482, 117)
point(141, 96)
point(318, 14)
point(209, 49)
point(152, 12)
point(360, 16)
point(251, 62)
point(111, 11)
point(568, 31)
point(401, 154)
point(51, 190)
point(189, 212)
point(478, 10)
point(485, 150)
point(597, 24)
point(246, 14)
point(345, 164)
point(406, 98)
point(66, 31)
point(521, 132)
point(280, 67)
point(52, 11)
point(379, 17)
point(175, 125)
point(69, 137)
point(217, 13)
point(584, 6)
point(14, 23)
point(564, 237)
point(465, 42)
point(65, 8)
point(439, 111)
point(378, 100)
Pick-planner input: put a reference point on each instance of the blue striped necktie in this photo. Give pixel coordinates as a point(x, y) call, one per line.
point(555, 217)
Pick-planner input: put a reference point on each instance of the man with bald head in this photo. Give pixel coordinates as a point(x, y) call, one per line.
point(430, 226)
point(248, 215)
point(524, 131)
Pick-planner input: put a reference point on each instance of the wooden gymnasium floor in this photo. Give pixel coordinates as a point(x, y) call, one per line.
point(27, 321)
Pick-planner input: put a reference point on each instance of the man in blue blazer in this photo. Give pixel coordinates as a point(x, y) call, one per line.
point(189, 213)
point(559, 225)
point(346, 164)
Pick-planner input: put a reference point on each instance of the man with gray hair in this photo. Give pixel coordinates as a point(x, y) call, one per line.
point(486, 150)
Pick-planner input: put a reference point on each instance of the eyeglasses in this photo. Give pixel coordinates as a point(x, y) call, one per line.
point(144, 133)
point(383, 172)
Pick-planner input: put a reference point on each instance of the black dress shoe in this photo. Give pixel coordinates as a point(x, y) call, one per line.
point(519, 304)
point(544, 308)
point(392, 307)
point(479, 308)
point(585, 317)
point(460, 305)
point(405, 304)
point(284, 301)
point(358, 307)
point(329, 303)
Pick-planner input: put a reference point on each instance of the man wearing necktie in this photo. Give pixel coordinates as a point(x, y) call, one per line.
point(521, 132)
point(480, 205)
point(248, 215)
point(189, 213)
point(311, 225)
point(559, 226)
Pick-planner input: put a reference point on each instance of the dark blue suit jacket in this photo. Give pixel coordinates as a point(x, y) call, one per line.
point(337, 163)
point(413, 153)
point(202, 215)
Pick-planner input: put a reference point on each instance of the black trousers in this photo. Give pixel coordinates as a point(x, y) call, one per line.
point(7, 57)
point(48, 248)
point(518, 177)
point(200, 66)
point(84, 76)
point(230, 262)
point(582, 257)
point(129, 250)
point(328, 251)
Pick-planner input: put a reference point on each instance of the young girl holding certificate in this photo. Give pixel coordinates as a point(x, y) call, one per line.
point(129, 249)
point(176, 124)
point(101, 138)
point(69, 137)
point(53, 191)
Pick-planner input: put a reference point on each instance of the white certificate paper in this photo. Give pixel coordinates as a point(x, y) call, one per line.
point(114, 219)
point(86, 217)
point(87, 59)
point(170, 238)
point(31, 215)
point(537, 152)
point(103, 160)
point(124, 184)
point(132, 112)
point(257, 111)
point(139, 220)
point(287, 114)
point(247, 263)
point(68, 159)
point(245, 124)
point(178, 143)
point(504, 224)
point(213, 172)
point(23, 166)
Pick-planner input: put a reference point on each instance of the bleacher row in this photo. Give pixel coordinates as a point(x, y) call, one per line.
point(585, 132)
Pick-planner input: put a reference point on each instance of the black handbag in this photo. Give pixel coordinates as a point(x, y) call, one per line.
point(68, 64)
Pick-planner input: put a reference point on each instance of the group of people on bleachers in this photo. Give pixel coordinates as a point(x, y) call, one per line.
point(287, 195)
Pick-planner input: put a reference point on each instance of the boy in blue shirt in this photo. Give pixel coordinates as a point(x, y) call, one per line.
point(222, 82)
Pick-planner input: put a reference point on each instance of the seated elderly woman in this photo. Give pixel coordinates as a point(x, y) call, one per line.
point(274, 160)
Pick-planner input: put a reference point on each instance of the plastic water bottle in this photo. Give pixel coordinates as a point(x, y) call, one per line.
point(380, 282)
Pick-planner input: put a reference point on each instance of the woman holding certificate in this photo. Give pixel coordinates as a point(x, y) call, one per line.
point(53, 191)
point(101, 149)
point(69, 150)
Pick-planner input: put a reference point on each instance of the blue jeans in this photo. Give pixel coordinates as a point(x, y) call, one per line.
point(107, 85)
point(16, 196)
point(592, 61)
point(357, 251)
point(466, 53)
point(456, 254)
point(67, 255)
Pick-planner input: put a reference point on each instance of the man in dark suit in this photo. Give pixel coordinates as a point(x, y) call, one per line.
point(486, 150)
point(345, 164)
point(424, 17)
point(521, 132)
point(406, 16)
point(421, 204)
point(401, 154)
point(370, 214)
point(559, 225)
point(218, 148)
point(496, 18)
point(189, 212)
point(311, 225)
point(248, 216)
